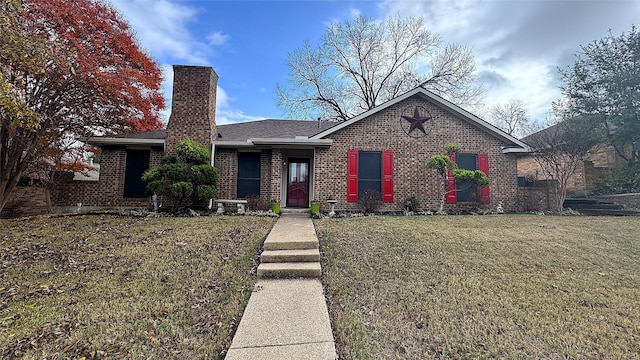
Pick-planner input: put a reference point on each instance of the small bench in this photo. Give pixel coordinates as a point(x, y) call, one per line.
point(220, 205)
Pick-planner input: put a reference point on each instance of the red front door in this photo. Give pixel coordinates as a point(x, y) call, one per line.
point(298, 183)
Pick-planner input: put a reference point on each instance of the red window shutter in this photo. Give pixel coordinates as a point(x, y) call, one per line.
point(352, 175)
point(387, 176)
point(483, 165)
point(452, 195)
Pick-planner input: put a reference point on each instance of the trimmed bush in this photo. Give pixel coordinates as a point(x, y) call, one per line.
point(411, 203)
point(186, 178)
point(370, 201)
point(192, 152)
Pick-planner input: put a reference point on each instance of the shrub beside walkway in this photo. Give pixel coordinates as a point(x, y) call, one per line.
point(286, 317)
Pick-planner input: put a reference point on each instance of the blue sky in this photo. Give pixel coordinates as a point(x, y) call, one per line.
point(518, 45)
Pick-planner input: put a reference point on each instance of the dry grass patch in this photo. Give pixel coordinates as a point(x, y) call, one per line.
point(116, 287)
point(512, 286)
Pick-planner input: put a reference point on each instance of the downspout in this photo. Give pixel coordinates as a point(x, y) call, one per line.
point(213, 155)
point(313, 174)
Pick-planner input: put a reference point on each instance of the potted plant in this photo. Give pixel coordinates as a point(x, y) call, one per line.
point(315, 207)
point(275, 206)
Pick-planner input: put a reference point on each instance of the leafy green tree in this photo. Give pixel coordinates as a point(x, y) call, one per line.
point(603, 86)
point(186, 178)
point(446, 168)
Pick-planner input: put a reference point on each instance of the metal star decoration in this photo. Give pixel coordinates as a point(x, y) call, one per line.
point(416, 121)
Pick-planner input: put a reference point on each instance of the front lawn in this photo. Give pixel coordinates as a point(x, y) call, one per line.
point(118, 287)
point(500, 286)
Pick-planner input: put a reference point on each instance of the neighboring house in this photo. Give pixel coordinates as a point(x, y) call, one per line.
point(295, 161)
point(598, 162)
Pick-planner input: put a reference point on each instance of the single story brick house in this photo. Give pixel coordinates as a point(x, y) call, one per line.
point(297, 161)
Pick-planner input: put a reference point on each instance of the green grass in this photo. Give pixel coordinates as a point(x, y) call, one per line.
point(118, 287)
point(512, 286)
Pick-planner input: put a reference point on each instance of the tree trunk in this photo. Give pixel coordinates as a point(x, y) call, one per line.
point(444, 193)
point(7, 188)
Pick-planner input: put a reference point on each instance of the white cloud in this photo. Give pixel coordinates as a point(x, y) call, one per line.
point(519, 44)
point(167, 88)
point(225, 114)
point(354, 13)
point(217, 38)
point(233, 116)
point(162, 28)
point(222, 99)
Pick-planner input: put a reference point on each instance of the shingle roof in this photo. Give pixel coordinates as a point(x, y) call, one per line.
point(268, 128)
point(271, 128)
point(542, 136)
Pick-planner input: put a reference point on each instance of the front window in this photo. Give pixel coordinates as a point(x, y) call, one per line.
point(137, 162)
point(248, 174)
point(467, 190)
point(369, 171)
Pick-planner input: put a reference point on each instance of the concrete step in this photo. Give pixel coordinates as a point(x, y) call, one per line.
point(596, 207)
point(289, 270)
point(291, 244)
point(291, 232)
point(284, 256)
point(610, 212)
point(295, 211)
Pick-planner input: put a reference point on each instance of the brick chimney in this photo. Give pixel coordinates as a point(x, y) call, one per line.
point(193, 108)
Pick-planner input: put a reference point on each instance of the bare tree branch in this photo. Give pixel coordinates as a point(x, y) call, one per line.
point(363, 63)
point(511, 117)
point(559, 150)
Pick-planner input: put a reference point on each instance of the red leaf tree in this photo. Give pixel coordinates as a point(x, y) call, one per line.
point(69, 69)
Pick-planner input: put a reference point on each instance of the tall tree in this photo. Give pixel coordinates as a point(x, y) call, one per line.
point(603, 85)
point(560, 148)
point(362, 63)
point(511, 117)
point(68, 70)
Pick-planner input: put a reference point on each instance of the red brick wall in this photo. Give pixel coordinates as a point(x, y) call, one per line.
point(539, 198)
point(27, 201)
point(226, 160)
point(584, 179)
point(193, 106)
point(276, 175)
point(265, 176)
point(192, 116)
point(108, 190)
point(385, 130)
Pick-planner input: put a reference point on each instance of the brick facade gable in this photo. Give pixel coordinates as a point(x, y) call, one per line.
point(386, 130)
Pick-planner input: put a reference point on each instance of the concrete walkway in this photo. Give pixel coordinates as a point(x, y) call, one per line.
point(286, 317)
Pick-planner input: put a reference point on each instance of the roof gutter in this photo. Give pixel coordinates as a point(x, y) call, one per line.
point(100, 141)
point(516, 150)
point(232, 144)
point(291, 142)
